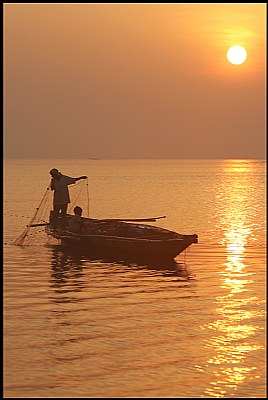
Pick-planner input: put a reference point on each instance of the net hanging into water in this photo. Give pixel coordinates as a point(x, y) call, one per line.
point(35, 231)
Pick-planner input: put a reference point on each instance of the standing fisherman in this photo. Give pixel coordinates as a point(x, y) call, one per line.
point(59, 184)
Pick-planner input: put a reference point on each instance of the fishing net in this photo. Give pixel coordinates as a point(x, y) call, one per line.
point(36, 230)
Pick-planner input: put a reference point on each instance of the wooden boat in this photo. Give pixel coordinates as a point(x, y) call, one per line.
point(122, 238)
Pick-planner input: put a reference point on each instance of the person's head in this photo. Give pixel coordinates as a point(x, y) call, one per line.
point(54, 172)
point(78, 210)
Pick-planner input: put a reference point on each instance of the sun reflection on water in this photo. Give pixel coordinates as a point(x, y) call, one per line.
point(235, 308)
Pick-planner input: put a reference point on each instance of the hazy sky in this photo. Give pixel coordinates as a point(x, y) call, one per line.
point(134, 80)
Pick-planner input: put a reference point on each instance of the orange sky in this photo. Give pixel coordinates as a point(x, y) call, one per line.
point(134, 81)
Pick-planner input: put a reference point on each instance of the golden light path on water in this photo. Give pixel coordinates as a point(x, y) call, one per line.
point(235, 323)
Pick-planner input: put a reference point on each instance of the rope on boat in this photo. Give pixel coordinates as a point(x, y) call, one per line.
point(87, 199)
point(74, 202)
point(19, 241)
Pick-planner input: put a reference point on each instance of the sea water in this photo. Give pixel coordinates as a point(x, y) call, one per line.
point(77, 327)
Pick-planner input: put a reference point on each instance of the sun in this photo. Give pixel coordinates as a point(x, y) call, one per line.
point(237, 55)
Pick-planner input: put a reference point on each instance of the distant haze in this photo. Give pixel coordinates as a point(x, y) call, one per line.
point(134, 81)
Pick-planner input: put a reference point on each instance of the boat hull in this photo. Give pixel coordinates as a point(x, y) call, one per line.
point(128, 247)
point(121, 240)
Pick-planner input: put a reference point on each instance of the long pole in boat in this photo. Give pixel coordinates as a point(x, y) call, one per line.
point(111, 219)
point(153, 219)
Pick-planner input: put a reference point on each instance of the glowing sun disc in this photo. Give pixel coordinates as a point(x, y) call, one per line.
point(236, 55)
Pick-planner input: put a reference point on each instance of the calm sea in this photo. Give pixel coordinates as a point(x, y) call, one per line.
point(76, 327)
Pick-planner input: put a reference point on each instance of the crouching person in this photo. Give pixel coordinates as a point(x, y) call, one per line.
point(75, 223)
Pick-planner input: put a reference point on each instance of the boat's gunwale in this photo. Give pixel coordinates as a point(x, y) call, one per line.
point(71, 235)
